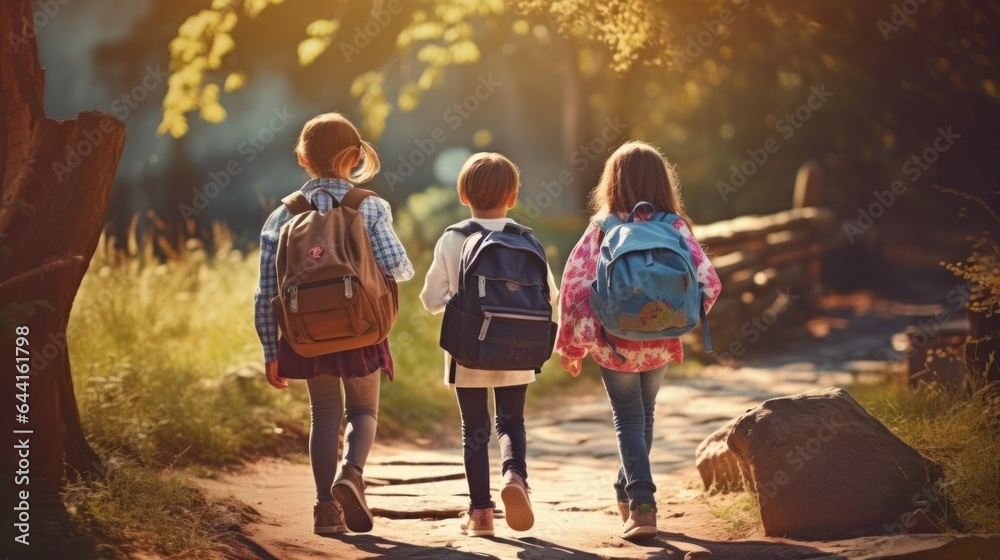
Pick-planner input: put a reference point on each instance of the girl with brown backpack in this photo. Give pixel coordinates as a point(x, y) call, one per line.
point(327, 298)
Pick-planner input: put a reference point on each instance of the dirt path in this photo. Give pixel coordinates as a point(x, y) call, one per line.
point(417, 493)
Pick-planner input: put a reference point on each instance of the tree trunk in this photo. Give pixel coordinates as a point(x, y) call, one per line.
point(55, 180)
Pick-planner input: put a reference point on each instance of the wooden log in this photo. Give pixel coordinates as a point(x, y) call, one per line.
point(726, 265)
point(761, 243)
point(754, 227)
point(782, 240)
point(808, 186)
point(809, 193)
point(804, 254)
point(762, 277)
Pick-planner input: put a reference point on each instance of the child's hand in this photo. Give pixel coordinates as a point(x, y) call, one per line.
point(571, 365)
point(273, 378)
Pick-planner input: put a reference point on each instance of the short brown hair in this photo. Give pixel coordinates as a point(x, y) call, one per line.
point(488, 180)
point(330, 143)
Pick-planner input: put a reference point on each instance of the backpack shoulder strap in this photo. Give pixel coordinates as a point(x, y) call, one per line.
point(355, 197)
point(608, 222)
point(297, 203)
point(517, 229)
point(467, 228)
point(668, 217)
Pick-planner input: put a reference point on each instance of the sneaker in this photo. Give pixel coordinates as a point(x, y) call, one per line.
point(641, 523)
point(328, 518)
point(516, 504)
point(623, 510)
point(349, 490)
point(478, 522)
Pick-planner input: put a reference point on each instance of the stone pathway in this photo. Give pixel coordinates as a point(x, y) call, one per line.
point(417, 493)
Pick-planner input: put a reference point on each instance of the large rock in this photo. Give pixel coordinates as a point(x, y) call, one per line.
point(823, 467)
point(716, 463)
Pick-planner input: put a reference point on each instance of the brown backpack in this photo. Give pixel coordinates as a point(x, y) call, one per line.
point(332, 296)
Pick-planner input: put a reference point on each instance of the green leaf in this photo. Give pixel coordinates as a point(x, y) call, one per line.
point(322, 28)
point(310, 49)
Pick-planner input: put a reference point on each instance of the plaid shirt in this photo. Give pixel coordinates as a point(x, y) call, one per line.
point(389, 252)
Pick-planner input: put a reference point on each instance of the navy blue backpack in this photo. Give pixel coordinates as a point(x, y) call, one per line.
point(501, 316)
point(646, 286)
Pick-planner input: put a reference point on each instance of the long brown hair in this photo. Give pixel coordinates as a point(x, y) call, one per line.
point(634, 173)
point(330, 143)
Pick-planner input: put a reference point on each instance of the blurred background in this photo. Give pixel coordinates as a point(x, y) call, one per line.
point(570, 81)
point(892, 106)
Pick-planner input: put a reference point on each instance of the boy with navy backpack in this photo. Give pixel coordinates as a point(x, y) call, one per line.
point(491, 278)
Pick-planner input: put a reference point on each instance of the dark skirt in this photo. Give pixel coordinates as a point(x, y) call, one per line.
point(359, 362)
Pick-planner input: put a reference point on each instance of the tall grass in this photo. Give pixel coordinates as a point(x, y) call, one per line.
point(739, 513)
point(955, 430)
point(154, 344)
point(137, 509)
point(168, 375)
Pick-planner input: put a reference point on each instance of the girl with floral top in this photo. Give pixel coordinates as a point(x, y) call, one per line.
point(636, 172)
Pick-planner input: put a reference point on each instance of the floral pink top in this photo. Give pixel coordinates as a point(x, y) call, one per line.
point(579, 330)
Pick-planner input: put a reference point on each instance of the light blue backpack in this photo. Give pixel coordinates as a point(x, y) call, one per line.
point(647, 286)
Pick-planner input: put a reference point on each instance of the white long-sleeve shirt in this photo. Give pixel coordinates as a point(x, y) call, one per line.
point(439, 287)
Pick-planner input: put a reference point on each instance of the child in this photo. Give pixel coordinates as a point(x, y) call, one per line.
point(635, 172)
point(488, 185)
point(332, 152)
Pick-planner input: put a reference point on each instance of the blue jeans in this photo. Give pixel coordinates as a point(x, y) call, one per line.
point(633, 399)
point(476, 430)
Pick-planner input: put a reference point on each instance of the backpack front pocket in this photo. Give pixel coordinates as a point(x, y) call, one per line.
point(331, 308)
point(514, 339)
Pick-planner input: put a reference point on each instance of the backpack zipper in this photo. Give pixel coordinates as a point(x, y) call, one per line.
point(482, 286)
point(489, 315)
point(293, 294)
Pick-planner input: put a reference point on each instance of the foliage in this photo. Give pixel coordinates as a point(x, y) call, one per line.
point(982, 268)
point(706, 80)
point(951, 429)
point(438, 34)
point(426, 215)
point(982, 271)
point(202, 43)
point(633, 32)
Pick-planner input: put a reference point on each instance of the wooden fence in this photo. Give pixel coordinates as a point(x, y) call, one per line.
point(760, 258)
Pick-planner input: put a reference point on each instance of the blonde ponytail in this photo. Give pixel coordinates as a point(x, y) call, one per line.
point(332, 145)
point(369, 165)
